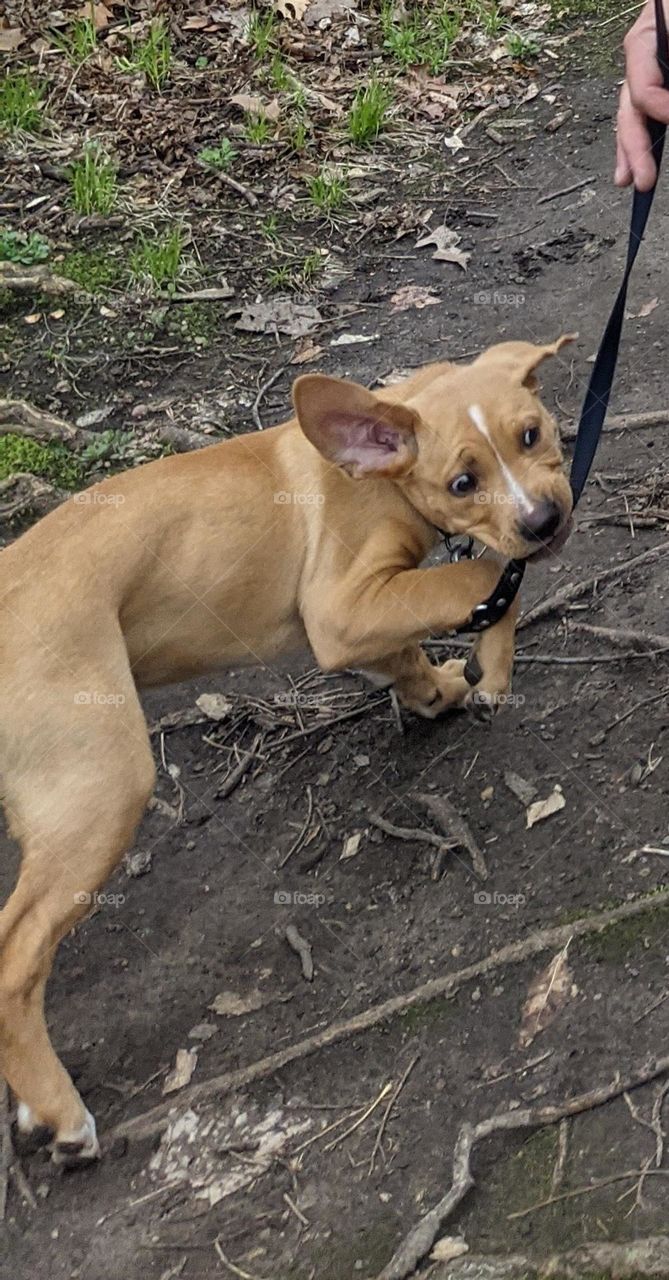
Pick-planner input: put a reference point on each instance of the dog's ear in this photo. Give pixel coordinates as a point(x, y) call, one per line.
point(522, 358)
point(353, 428)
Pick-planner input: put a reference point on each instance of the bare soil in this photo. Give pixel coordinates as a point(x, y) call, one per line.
point(134, 980)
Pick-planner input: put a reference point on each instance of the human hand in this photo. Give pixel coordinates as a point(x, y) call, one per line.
point(641, 96)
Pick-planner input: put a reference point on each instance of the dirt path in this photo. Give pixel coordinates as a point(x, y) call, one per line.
point(210, 914)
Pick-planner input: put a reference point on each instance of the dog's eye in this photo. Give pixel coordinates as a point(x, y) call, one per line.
point(529, 437)
point(462, 485)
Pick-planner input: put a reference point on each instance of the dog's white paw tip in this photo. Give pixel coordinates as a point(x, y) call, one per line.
point(25, 1118)
point(79, 1147)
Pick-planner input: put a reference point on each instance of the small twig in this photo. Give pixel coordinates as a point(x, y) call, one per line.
point(563, 1143)
point(451, 821)
point(302, 948)
point(412, 833)
point(236, 1271)
point(584, 1191)
point(157, 1118)
point(262, 392)
point(239, 770)
point(421, 1237)
point(566, 191)
point(241, 190)
point(624, 422)
point(574, 590)
point(361, 1119)
point(598, 738)
point(651, 1007)
point(297, 842)
point(626, 637)
point(386, 1115)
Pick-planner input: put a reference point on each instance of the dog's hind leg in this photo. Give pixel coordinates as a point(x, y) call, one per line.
point(74, 811)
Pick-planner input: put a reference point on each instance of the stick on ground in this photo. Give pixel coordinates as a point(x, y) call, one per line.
point(421, 1237)
point(156, 1120)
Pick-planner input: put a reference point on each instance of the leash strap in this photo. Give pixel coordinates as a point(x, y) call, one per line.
point(598, 392)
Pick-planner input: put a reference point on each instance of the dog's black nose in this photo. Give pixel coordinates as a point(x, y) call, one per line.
point(539, 524)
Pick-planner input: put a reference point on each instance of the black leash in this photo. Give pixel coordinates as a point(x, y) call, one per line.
point(597, 395)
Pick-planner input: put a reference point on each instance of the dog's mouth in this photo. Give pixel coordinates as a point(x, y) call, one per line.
point(554, 544)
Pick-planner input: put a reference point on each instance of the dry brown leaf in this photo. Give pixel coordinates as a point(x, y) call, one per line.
point(446, 242)
point(281, 315)
point(447, 1248)
point(412, 295)
point(228, 1004)
point(351, 846)
point(11, 38)
point(214, 705)
point(305, 352)
point(182, 1071)
point(101, 14)
point(294, 10)
point(256, 106)
point(519, 787)
point(547, 995)
point(541, 809)
point(648, 307)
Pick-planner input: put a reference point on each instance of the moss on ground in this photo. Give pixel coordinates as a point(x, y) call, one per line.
point(52, 461)
point(93, 269)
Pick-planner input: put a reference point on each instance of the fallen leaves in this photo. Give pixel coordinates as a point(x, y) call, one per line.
point(447, 1248)
point(10, 39)
point(255, 106)
point(292, 9)
point(446, 241)
point(547, 995)
point(280, 315)
point(214, 705)
point(541, 809)
point(227, 1004)
point(182, 1071)
point(412, 295)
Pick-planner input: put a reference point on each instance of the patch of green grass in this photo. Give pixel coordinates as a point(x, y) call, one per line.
point(312, 268)
point(52, 461)
point(328, 191)
point(152, 55)
point(93, 181)
point(258, 129)
point(79, 42)
point(420, 36)
point(280, 278)
point(158, 261)
point(520, 46)
point(279, 74)
point(94, 270)
point(298, 136)
point(262, 33)
point(269, 230)
point(26, 248)
point(21, 102)
point(221, 157)
point(368, 111)
point(490, 18)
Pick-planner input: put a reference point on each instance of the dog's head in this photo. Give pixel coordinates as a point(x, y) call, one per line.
point(473, 448)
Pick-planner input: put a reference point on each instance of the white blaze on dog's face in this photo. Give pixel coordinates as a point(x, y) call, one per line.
point(473, 449)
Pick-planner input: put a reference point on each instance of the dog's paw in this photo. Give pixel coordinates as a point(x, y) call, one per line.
point(71, 1150)
point(484, 705)
point(31, 1134)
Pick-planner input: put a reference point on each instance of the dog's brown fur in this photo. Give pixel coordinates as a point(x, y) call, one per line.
point(309, 533)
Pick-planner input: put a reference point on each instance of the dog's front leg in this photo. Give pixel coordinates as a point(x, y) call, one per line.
point(490, 665)
point(376, 621)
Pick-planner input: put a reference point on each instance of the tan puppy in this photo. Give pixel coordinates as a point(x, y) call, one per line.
point(309, 533)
